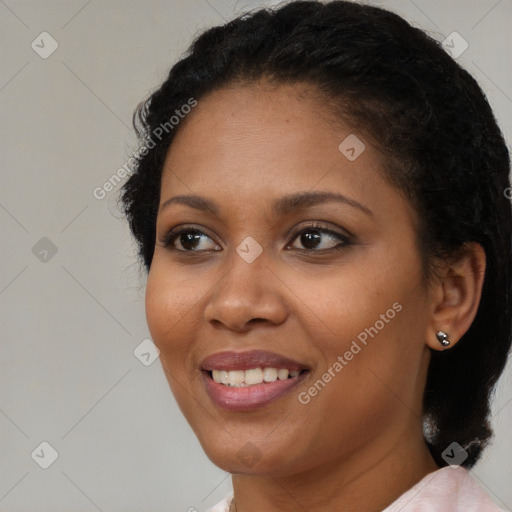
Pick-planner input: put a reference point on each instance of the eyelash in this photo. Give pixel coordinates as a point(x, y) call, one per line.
point(345, 240)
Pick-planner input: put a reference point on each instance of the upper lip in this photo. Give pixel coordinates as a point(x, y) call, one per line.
point(230, 360)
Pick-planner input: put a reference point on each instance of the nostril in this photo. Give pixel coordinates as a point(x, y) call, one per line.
point(258, 320)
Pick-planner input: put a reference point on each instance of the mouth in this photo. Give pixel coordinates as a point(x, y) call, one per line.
point(252, 376)
point(249, 380)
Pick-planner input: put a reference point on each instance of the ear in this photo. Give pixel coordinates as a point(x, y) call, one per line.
point(455, 296)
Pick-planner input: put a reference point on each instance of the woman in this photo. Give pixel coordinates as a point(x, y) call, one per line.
point(320, 201)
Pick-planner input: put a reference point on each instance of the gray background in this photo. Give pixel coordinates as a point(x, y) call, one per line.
point(71, 320)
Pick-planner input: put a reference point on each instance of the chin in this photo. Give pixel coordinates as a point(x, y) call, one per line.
point(243, 456)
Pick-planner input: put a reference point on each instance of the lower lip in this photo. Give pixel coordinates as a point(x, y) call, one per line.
point(250, 397)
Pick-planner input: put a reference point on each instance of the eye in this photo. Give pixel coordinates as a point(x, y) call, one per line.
point(190, 240)
point(318, 238)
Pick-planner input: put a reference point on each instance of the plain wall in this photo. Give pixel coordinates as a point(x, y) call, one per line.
point(72, 320)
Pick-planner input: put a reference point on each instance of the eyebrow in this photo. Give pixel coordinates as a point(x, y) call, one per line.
point(282, 206)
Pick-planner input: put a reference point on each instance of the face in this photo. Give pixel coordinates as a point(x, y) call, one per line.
point(298, 256)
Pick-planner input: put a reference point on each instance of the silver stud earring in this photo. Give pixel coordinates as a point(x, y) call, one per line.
point(442, 337)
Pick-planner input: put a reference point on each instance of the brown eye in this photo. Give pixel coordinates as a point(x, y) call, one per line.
point(189, 240)
point(315, 238)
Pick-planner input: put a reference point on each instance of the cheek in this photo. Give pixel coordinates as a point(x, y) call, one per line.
point(159, 305)
point(169, 302)
point(343, 303)
point(378, 331)
point(373, 316)
point(174, 303)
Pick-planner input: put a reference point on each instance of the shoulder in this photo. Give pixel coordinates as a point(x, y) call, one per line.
point(449, 489)
point(223, 505)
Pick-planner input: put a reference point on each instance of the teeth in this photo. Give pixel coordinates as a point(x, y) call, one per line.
point(236, 377)
point(241, 378)
point(282, 373)
point(254, 376)
point(269, 374)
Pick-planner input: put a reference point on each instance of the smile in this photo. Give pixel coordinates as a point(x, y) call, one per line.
point(249, 380)
point(253, 376)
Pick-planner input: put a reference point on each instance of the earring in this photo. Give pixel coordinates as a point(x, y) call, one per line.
point(442, 337)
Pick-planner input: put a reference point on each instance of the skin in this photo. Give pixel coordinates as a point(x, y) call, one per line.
point(243, 147)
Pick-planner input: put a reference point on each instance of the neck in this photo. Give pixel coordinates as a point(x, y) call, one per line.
point(387, 470)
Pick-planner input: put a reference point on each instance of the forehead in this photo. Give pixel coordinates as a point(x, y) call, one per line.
point(249, 145)
point(248, 130)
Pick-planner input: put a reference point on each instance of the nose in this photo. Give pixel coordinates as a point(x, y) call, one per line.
point(247, 294)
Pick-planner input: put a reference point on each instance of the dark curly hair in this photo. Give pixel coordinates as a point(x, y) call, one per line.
point(441, 147)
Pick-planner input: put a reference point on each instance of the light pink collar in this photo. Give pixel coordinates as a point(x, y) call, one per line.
point(449, 489)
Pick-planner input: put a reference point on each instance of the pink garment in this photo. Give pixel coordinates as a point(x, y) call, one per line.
point(449, 489)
